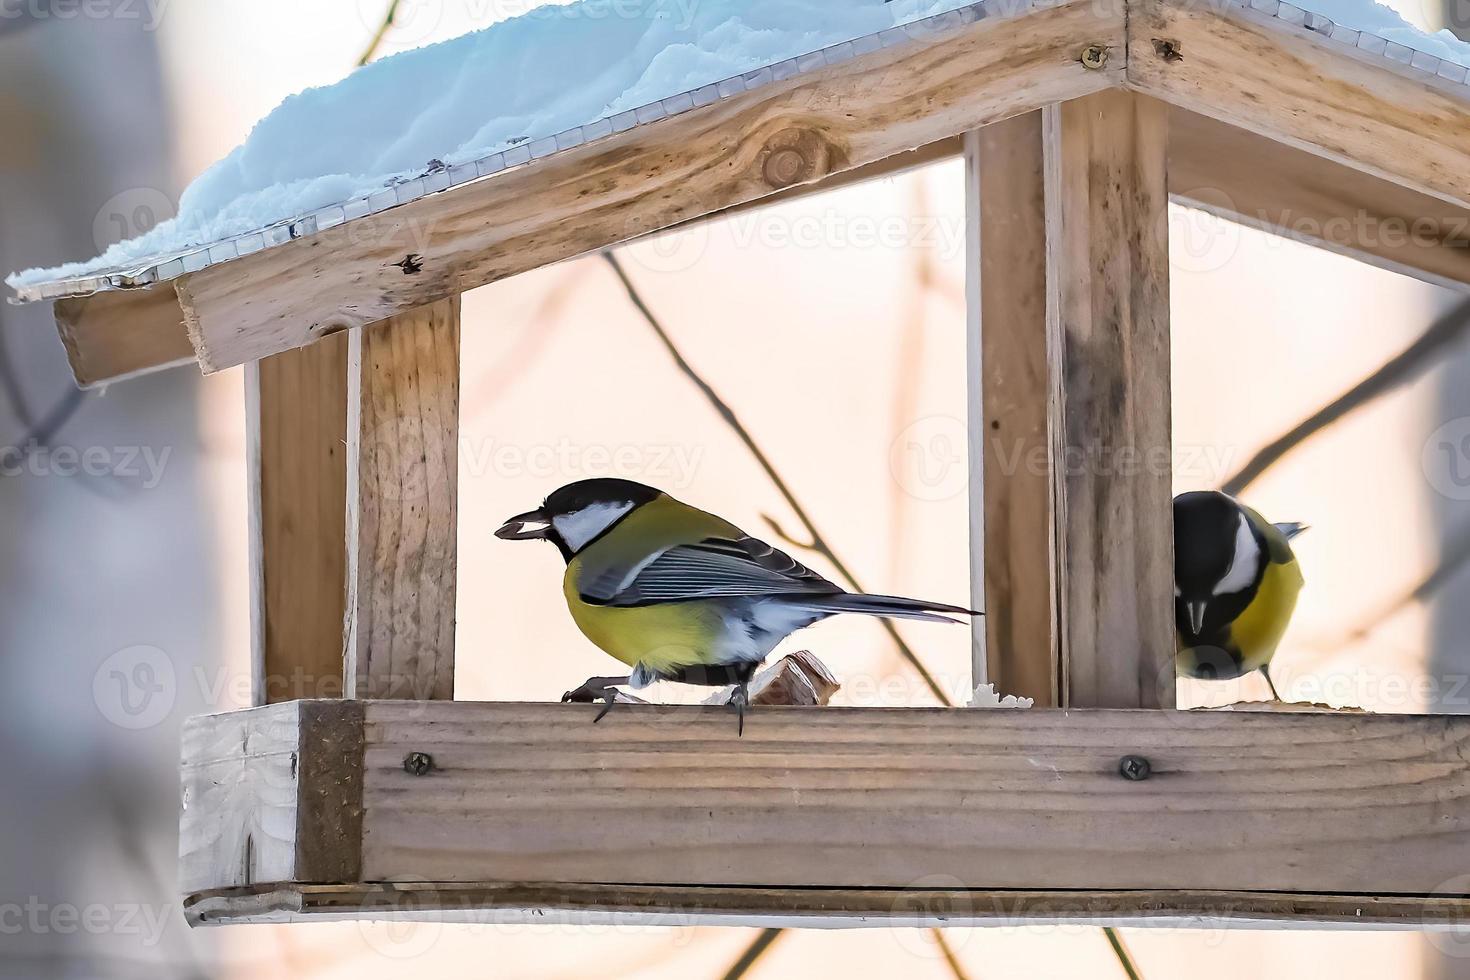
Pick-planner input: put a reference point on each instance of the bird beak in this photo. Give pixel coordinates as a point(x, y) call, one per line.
point(1196, 609)
point(524, 527)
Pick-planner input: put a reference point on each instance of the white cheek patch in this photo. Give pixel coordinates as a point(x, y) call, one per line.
point(1245, 565)
point(579, 527)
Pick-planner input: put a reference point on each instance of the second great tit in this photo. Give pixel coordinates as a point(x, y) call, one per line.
point(681, 595)
point(1235, 586)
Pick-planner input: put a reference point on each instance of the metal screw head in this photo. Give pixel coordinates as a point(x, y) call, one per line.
point(1094, 56)
point(1135, 767)
point(418, 763)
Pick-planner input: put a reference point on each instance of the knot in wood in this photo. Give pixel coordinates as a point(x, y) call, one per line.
point(418, 763)
point(794, 156)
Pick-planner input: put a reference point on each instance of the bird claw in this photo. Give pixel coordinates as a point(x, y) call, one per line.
point(739, 700)
point(590, 694)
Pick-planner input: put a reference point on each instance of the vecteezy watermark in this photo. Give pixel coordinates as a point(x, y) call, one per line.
point(136, 687)
point(832, 228)
point(149, 12)
point(670, 466)
point(133, 463)
point(40, 918)
point(401, 921)
point(929, 459)
point(415, 21)
point(130, 213)
point(1446, 459)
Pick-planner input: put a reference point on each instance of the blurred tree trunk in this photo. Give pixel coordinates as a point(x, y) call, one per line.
point(91, 565)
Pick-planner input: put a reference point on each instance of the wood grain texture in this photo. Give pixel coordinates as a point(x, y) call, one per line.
point(1010, 394)
point(1315, 804)
point(402, 504)
point(547, 903)
point(1291, 85)
point(651, 177)
point(110, 336)
point(1240, 176)
point(1108, 320)
point(296, 428)
point(272, 794)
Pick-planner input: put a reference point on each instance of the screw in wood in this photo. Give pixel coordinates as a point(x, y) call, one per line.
point(418, 763)
point(1094, 56)
point(1135, 767)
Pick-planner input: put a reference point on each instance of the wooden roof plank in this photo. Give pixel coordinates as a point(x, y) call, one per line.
point(1256, 181)
point(1294, 84)
point(652, 176)
point(110, 336)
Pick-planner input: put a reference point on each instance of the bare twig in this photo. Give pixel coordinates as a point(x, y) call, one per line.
point(817, 543)
point(1125, 958)
point(1403, 368)
point(752, 953)
point(382, 32)
point(952, 960)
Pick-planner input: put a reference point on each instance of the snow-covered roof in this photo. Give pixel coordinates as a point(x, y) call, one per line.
point(430, 120)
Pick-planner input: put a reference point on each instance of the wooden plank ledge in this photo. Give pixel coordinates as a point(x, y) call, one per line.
point(806, 908)
point(469, 795)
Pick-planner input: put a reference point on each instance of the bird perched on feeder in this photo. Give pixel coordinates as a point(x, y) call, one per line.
point(1235, 585)
point(681, 595)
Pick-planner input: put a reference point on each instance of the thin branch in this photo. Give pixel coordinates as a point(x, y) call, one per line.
point(381, 34)
point(752, 953)
point(1455, 556)
point(1125, 959)
point(818, 543)
point(1405, 367)
point(945, 950)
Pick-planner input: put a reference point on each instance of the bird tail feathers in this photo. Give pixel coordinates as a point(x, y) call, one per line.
point(888, 606)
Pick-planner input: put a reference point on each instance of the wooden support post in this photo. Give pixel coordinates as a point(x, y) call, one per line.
point(296, 411)
point(402, 453)
point(1107, 225)
point(1006, 217)
point(1073, 417)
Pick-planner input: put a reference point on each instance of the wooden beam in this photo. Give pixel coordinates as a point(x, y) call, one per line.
point(1108, 320)
point(1010, 396)
point(296, 419)
point(402, 504)
point(653, 176)
point(1244, 177)
point(264, 767)
point(1292, 85)
point(463, 794)
point(111, 336)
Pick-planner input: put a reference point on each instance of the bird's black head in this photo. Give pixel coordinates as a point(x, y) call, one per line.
point(1218, 559)
point(579, 513)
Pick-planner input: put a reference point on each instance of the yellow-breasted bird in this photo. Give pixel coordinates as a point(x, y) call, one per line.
point(681, 595)
point(1235, 586)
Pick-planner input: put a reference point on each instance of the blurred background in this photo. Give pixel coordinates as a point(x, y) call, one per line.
point(835, 328)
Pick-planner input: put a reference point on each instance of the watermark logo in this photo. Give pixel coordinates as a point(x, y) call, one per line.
point(928, 459)
point(131, 213)
point(1446, 459)
point(931, 901)
point(136, 687)
point(1198, 239)
point(413, 21)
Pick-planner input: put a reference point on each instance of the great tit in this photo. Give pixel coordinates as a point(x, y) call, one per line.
point(681, 595)
point(1235, 586)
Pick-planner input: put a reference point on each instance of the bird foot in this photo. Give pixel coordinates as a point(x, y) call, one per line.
point(596, 689)
point(740, 700)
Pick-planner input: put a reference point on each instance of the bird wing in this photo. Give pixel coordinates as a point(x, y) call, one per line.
point(712, 568)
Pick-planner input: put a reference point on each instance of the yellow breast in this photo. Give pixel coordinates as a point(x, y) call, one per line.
point(1258, 630)
point(661, 637)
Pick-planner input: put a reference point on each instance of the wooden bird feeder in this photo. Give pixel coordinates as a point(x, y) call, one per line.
point(358, 788)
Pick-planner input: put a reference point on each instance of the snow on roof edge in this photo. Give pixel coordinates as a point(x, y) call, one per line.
point(167, 267)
